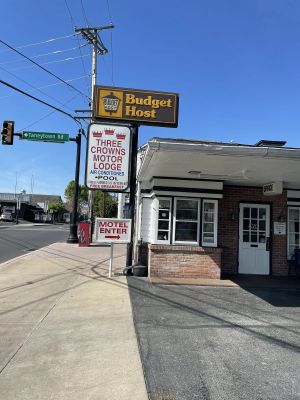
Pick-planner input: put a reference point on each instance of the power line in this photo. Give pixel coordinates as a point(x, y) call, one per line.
point(43, 42)
point(77, 37)
point(45, 54)
point(71, 16)
point(32, 86)
point(55, 62)
point(112, 58)
point(84, 13)
point(48, 115)
point(41, 67)
point(108, 10)
point(50, 85)
point(40, 101)
point(111, 43)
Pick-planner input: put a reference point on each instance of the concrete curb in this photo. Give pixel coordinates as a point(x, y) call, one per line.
point(22, 256)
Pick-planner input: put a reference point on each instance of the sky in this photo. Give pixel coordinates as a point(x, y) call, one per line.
point(234, 63)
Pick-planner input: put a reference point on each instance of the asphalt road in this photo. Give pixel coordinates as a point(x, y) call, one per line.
point(218, 343)
point(16, 240)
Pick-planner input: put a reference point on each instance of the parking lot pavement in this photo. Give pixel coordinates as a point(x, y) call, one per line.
point(218, 342)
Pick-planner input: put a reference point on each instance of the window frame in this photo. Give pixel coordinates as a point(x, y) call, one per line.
point(215, 223)
point(288, 229)
point(180, 242)
point(157, 241)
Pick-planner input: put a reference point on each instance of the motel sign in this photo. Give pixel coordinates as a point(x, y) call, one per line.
point(113, 230)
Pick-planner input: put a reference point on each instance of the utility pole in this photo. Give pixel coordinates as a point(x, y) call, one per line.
point(91, 35)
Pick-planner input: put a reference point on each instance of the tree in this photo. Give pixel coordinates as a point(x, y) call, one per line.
point(105, 205)
point(57, 209)
point(82, 194)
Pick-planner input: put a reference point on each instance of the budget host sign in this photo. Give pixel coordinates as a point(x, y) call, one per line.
point(133, 105)
point(110, 230)
point(107, 159)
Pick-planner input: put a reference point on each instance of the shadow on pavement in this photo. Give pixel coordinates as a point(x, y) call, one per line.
point(278, 291)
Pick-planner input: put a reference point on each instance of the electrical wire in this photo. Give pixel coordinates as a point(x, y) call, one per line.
point(111, 43)
point(46, 86)
point(54, 62)
point(48, 114)
point(43, 42)
point(45, 54)
point(70, 14)
point(40, 101)
point(112, 58)
point(108, 10)
point(77, 37)
point(41, 67)
point(84, 13)
point(32, 86)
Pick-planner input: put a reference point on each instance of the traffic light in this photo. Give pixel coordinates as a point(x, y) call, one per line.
point(8, 132)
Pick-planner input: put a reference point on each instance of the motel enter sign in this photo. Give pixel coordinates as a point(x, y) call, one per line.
point(113, 230)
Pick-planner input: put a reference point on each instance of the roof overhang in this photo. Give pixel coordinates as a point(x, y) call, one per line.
point(233, 164)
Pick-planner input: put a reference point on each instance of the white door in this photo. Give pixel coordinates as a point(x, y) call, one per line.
point(254, 239)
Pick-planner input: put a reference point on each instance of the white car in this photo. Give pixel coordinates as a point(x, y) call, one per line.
point(6, 217)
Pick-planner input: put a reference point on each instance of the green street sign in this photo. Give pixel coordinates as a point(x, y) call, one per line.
point(45, 136)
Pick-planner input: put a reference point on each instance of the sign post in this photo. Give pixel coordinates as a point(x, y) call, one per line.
point(111, 260)
point(112, 230)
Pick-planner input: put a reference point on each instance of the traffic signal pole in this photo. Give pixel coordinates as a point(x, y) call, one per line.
point(73, 237)
point(92, 37)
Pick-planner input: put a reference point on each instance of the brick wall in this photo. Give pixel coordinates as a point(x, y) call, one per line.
point(228, 227)
point(184, 261)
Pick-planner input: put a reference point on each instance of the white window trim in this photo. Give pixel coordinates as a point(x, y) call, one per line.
point(156, 241)
point(195, 221)
point(288, 229)
point(215, 242)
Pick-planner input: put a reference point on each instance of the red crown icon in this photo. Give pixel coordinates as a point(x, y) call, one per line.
point(120, 136)
point(97, 134)
point(109, 131)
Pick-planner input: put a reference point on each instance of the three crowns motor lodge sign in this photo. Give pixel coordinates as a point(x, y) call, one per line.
point(107, 161)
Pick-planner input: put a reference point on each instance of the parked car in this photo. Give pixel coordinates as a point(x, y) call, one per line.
point(6, 217)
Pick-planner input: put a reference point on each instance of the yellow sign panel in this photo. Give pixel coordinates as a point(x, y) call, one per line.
point(134, 105)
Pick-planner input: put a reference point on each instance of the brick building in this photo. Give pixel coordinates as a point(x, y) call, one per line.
point(207, 209)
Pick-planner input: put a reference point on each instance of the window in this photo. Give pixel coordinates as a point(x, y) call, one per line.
point(163, 222)
point(293, 230)
point(209, 222)
point(186, 221)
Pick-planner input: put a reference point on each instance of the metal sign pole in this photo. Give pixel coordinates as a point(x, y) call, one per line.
point(132, 193)
point(111, 260)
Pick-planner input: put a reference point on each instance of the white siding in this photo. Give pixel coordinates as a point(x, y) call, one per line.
point(147, 220)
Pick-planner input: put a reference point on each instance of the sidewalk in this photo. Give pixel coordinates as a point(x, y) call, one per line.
point(66, 330)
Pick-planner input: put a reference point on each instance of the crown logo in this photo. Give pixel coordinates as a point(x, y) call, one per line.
point(109, 131)
point(97, 134)
point(120, 136)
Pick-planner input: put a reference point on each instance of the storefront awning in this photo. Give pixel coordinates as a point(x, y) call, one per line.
point(232, 164)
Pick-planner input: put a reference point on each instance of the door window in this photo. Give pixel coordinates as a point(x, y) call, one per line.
point(254, 224)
